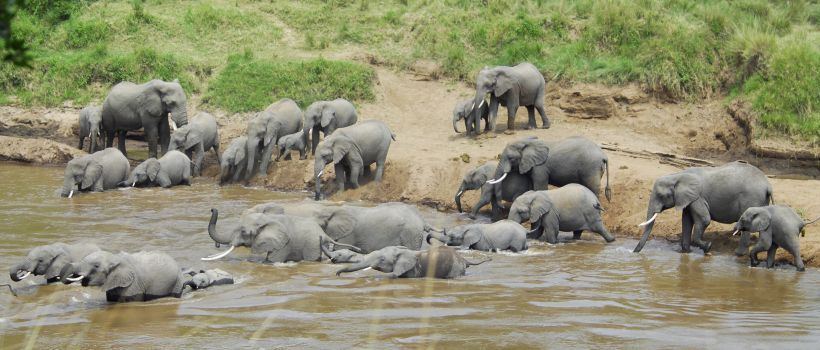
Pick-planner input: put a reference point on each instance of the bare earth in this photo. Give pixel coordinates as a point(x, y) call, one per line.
point(644, 137)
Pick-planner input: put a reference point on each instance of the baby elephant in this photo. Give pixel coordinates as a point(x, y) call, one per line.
point(401, 262)
point(297, 141)
point(466, 110)
point(49, 260)
point(570, 208)
point(207, 278)
point(779, 226)
point(90, 123)
point(500, 235)
point(234, 161)
point(196, 138)
point(170, 170)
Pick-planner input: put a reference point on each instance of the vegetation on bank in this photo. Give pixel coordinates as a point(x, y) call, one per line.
point(767, 52)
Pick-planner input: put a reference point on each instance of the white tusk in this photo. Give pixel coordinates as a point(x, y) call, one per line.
point(481, 104)
point(736, 232)
point(493, 182)
point(70, 193)
point(459, 193)
point(368, 268)
point(24, 275)
point(472, 108)
point(218, 256)
point(75, 279)
point(649, 221)
point(320, 173)
point(173, 125)
point(134, 184)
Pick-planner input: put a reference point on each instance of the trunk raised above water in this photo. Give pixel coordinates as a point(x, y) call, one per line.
point(218, 238)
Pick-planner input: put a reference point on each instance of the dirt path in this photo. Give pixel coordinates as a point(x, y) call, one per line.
point(426, 163)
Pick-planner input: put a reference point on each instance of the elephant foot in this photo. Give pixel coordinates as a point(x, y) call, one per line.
point(753, 263)
point(707, 246)
point(545, 126)
point(686, 250)
point(801, 269)
point(610, 239)
point(529, 127)
point(509, 132)
point(741, 252)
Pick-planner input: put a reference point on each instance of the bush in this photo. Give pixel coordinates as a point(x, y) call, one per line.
point(80, 34)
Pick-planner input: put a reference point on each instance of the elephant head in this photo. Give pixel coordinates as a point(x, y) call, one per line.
point(332, 149)
point(257, 231)
point(95, 121)
point(45, 261)
point(462, 111)
point(144, 173)
point(473, 180)
point(524, 154)
point(261, 133)
point(173, 101)
point(677, 190)
point(341, 255)
point(100, 268)
point(397, 260)
point(83, 171)
point(185, 138)
point(533, 206)
point(754, 219)
point(319, 116)
point(464, 235)
point(232, 159)
point(495, 81)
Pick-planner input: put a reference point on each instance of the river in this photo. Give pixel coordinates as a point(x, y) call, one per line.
point(585, 294)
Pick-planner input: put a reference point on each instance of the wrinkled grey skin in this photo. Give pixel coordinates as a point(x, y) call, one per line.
point(49, 260)
point(265, 208)
point(501, 235)
point(704, 194)
point(196, 138)
point(297, 141)
point(528, 157)
point(207, 278)
point(130, 107)
point(280, 237)
point(96, 172)
point(352, 150)
point(174, 168)
point(234, 161)
point(466, 110)
point(90, 125)
point(128, 277)
point(342, 255)
point(779, 227)
point(570, 208)
point(280, 118)
point(521, 85)
point(389, 224)
point(327, 116)
point(401, 262)
point(508, 190)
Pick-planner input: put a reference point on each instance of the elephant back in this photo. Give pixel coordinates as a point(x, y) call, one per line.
point(575, 160)
point(115, 166)
point(158, 273)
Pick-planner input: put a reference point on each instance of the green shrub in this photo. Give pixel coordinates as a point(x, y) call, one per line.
point(80, 34)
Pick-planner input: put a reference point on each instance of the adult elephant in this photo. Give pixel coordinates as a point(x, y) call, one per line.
point(280, 118)
point(352, 150)
point(521, 85)
point(389, 224)
point(513, 186)
point(95, 172)
point(280, 237)
point(49, 260)
point(196, 138)
point(527, 156)
point(130, 107)
point(571, 208)
point(466, 110)
point(401, 262)
point(704, 194)
point(327, 116)
point(174, 168)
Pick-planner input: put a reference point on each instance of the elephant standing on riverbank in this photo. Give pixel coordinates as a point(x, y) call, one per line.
point(174, 168)
point(130, 107)
point(90, 125)
point(327, 116)
point(49, 260)
point(95, 172)
point(401, 262)
point(570, 208)
point(513, 186)
point(521, 85)
point(234, 161)
point(352, 150)
point(288, 143)
point(779, 227)
point(704, 194)
point(528, 157)
point(196, 138)
point(280, 118)
point(466, 110)
point(501, 235)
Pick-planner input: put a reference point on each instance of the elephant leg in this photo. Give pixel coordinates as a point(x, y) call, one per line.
point(531, 117)
point(200, 155)
point(355, 172)
point(302, 154)
point(287, 156)
point(576, 235)
point(540, 177)
point(151, 135)
point(237, 172)
point(164, 133)
point(468, 126)
point(701, 220)
point(81, 144)
point(493, 111)
point(545, 122)
point(218, 157)
point(278, 256)
point(379, 170)
point(109, 138)
point(496, 210)
point(686, 230)
point(770, 255)
point(121, 141)
point(792, 245)
point(340, 176)
point(763, 244)
point(265, 161)
point(598, 227)
point(486, 197)
point(366, 171)
point(512, 108)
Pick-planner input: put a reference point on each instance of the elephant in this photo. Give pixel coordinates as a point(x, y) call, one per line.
point(297, 141)
point(570, 208)
point(500, 235)
point(174, 168)
point(207, 278)
point(513, 186)
point(99, 171)
point(234, 161)
point(402, 262)
point(49, 260)
point(128, 277)
point(704, 194)
point(521, 85)
point(529, 157)
point(280, 237)
point(352, 149)
point(196, 138)
point(369, 229)
point(280, 118)
point(779, 226)
point(465, 110)
point(90, 124)
point(341, 255)
point(130, 107)
point(327, 116)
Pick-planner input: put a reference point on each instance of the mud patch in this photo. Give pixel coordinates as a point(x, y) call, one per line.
point(38, 151)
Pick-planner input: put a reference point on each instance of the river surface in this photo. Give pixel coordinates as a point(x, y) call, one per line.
point(583, 294)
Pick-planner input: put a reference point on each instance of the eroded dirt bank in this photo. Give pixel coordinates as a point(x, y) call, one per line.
point(644, 137)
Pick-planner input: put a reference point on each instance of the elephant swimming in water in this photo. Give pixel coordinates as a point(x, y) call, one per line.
point(500, 235)
point(49, 260)
point(95, 172)
point(401, 262)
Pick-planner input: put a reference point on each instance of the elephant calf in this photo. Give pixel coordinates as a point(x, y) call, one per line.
point(570, 208)
point(466, 110)
point(196, 138)
point(501, 235)
point(49, 260)
point(297, 141)
point(207, 278)
point(401, 262)
point(779, 226)
point(172, 169)
point(90, 125)
point(514, 185)
point(95, 172)
point(234, 161)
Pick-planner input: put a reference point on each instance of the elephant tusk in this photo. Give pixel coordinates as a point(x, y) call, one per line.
point(736, 232)
point(134, 184)
point(24, 275)
point(218, 256)
point(75, 279)
point(493, 182)
point(459, 193)
point(320, 173)
point(173, 125)
point(480, 104)
point(70, 193)
point(649, 221)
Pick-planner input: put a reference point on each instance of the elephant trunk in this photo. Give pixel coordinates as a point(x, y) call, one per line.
point(180, 116)
point(361, 265)
point(458, 196)
point(68, 186)
point(324, 248)
point(314, 139)
point(455, 123)
point(21, 270)
point(515, 216)
point(651, 215)
point(95, 139)
point(218, 239)
point(251, 154)
point(71, 273)
point(318, 170)
point(437, 236)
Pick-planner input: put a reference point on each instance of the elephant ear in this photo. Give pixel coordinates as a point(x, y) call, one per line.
point(270, 238)
point(193, 138)
point(152, 168)
point(93, 171)
point(341, 147)
point(240, 153)
point(503, 83)
point(405, 261)
point(761, 221)
point(471, 236)
point(540, 206)
point(270, 130)
point(60, 260)
point(534, 153)
point(340, 224)
point(687, 190)
point(120, 276)
point(327, 116)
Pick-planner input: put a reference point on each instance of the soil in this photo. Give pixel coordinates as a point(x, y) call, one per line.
point(645, 137)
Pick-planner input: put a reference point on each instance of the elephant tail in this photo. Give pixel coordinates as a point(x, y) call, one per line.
point(607, 190)
point(770, 197)
point(811, 222)
point(470, 263)
point(393, 136)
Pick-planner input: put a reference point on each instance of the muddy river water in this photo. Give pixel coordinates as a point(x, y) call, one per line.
point(575, 294)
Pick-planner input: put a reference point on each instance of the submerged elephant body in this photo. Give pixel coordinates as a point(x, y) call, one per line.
point(90, 126)
point(779, 227)
point(327, 116)
point(521, 85)
point(571, 208)
point(401, 262)
point(500, 235)
point(280, 118)
point(99, 171)
point(196, 138)
point(174, 168)
point(49, 260)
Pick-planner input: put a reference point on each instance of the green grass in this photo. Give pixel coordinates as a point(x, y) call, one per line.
point(760, 50)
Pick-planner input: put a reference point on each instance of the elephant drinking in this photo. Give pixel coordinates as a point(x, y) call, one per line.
point(96, 172)
point(49, 260)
